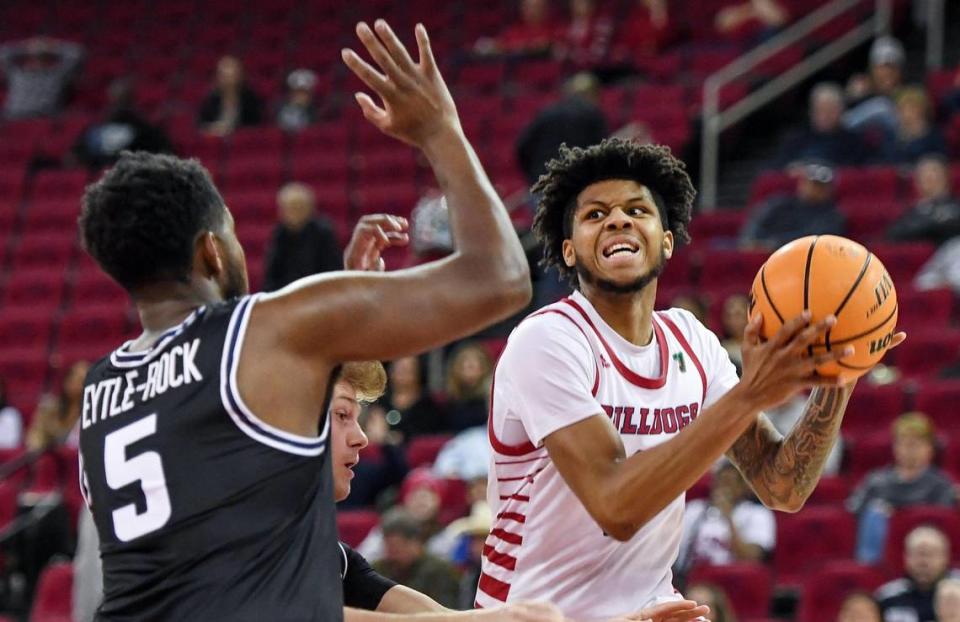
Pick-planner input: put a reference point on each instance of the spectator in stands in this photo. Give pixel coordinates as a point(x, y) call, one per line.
point(926, 562)
point(825, 139)
point(871, 98)
point(469, 373)
point(715, 598)
point(645, 32)
point(692, 303)
point(299, 109)
point(951, 100)
point(38, 72)
point(910, 480)
point(575, 120)
point(411, 411)
point(946, 600)
point(936, 215)
point(915, 136)
point(56, 419)
point(473, 535)
point(407, 562)
point(751, 21)
point(736, 309)
point(122, 128)
point(535, 33)
point(420, 497)
point(730, 526)
point(231, 103)
point(302, 243)
point(811, 210)
point(466, 456)
point(585, 43)
point(859, 607)
point(11, 423)
point(942, 270)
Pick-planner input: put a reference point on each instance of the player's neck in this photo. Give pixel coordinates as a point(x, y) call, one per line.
point(630, 315)
point(164, 305)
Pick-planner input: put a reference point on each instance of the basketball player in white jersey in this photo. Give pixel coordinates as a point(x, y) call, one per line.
point(605, 412)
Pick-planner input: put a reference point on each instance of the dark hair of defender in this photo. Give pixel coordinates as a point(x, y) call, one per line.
point(653, 166)
point(141, 220)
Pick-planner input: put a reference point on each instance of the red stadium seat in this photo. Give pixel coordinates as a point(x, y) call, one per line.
point(397, 164)
point(768, 184)
point(44, 250)
point(54, 596)
point(927, 351)
point(728, 268)
point(538, 75)
point(904, 520)
point(902, 260)
point(830, 491)
point(869, 217)
point(423, 450)
point(823, 591)
point(54, 184)
point(866, 452)
point(104, 326)
point(24, 328)
point(939, 399)
point(873, 408)
point(808, 538)
point(923, 309)
point(37, 288)
point(354, 525)
point(869, 182)
point(92, 287)
point(723, 223)
point(749, 586)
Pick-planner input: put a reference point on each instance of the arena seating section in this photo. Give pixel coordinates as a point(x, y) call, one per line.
point(56, 307)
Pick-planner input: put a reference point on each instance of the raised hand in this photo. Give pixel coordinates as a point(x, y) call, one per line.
point(416, 104)
point(371, 236)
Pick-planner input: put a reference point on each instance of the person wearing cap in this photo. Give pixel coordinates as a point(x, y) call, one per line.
point(810, 210)
point(871, 98)
point(37, 72)
point(910, 480)
point(299, 110)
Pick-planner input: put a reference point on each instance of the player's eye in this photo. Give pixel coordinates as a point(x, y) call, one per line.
point(594, 214)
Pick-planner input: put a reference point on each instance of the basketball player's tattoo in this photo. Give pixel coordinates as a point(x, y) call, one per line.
point(784, 471)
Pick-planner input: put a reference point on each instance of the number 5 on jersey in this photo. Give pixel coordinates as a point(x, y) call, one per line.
point(145, 468)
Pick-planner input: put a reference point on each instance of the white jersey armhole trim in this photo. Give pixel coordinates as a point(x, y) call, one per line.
point(239, 412)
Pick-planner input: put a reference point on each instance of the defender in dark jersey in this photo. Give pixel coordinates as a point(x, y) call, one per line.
point(204, 445)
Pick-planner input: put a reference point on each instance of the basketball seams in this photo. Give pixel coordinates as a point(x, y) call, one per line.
point(766, 292)
point(853, 288)
point(806, 282)
point(866, 332)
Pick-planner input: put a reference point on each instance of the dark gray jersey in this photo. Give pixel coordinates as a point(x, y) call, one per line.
point(205, 512)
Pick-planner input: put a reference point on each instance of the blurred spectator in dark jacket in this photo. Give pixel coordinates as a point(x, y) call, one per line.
point(645, 32)
point(411, 410)
point(912, 479)
point(870, 98)
point(936, 215)
point(825, 139)
point(57, 416)
point(915, 136)
point(37, 71)
point(810, 210)
point(299, 109)
point(751, 21)
point(231, 103)
point(302, 243)
point(575, 120)
point(407, 561)
point(951, 101)
point(534, 33)
point(121, 129)
point(585, 43)
point(469, 373)
point(926, 564)
point(11, 422)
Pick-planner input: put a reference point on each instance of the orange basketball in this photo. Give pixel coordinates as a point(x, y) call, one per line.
point(828, 274)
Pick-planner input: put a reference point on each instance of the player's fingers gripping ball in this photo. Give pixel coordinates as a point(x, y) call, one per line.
point(828, 274)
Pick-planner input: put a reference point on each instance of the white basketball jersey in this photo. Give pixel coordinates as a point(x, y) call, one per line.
point(562, 365)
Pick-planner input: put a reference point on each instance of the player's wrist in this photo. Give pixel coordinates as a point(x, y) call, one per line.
point(436, 143)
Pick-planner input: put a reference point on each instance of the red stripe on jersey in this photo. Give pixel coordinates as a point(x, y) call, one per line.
point(686, 346)
point(534, 459)
point(528, 476)
point(514, 516)
point(631, 376)
point(506, 536)
point(502, 448)
point(523, 498)
point(494, 588)
point(500, 559)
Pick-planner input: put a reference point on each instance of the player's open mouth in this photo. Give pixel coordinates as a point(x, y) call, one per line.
point(619, 247)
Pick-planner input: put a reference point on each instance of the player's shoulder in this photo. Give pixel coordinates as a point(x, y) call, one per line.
point(551, 329)
point(691, 328)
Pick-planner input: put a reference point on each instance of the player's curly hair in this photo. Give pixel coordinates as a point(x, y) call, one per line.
point(574, 169)
point(141, 219)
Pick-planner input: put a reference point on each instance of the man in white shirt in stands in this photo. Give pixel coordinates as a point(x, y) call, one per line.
point(604, 413)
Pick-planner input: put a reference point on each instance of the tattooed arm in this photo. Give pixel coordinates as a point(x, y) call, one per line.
point(784, 471)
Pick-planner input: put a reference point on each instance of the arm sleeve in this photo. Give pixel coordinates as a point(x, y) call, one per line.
point(545, 378)
point(363, 587)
